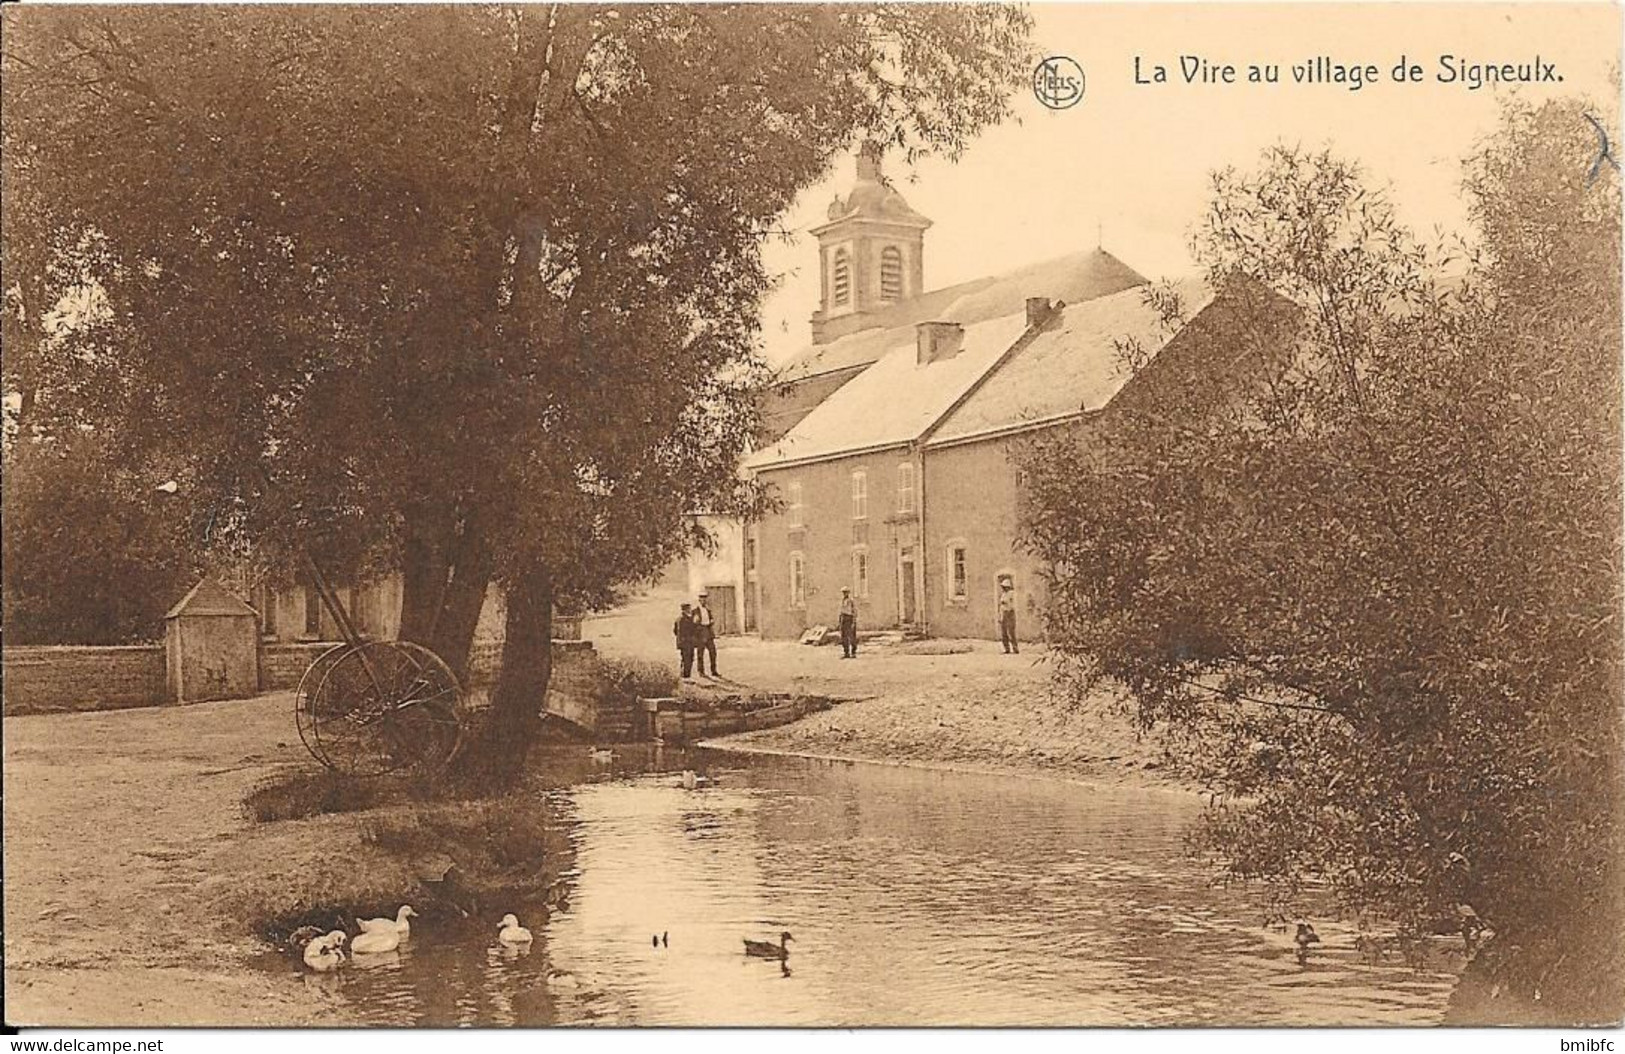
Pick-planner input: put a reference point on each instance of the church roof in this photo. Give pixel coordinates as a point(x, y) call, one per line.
point(897, 399)
point(1072, 366)
point(1073, 278)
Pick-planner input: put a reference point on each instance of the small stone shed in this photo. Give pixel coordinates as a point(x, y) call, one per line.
point(211, 646)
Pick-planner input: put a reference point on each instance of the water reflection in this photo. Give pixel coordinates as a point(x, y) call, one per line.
point(914, 897)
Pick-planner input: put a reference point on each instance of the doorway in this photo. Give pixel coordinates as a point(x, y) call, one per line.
point(905, 582)
point(723, 610)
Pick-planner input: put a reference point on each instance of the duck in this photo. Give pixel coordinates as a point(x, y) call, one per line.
point(602, 755)
point(769, 950)
point(512, 932)
point(1305, 936)
point(399, 923)
point(558, 895)
point(376, 942)
point(690, 780)
point(325, 954)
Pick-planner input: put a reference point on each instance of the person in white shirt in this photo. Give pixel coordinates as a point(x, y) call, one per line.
point(849, 624)
point(705, 642)
point(1007, 617)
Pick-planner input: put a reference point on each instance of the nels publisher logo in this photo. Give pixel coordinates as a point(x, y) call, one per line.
point(1058, 82)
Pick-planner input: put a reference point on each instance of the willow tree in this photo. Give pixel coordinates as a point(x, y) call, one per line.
point(470, 292)
point(1376, 596)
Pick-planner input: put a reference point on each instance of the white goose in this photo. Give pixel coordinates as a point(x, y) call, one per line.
point(325, 953)
point(398, 923)
point(374, 942)
point(512, 932)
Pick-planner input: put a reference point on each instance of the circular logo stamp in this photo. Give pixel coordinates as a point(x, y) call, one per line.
point(1058, 82)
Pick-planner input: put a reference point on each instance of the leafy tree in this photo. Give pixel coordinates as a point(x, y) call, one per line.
point(1375, 594)
point(92, 554)
point(468, 291)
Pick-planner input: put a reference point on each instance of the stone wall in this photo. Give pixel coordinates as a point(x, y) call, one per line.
point(54, 679)
point(281, 665)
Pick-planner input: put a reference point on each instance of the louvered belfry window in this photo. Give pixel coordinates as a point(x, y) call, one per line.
point(841, 278)
point(891, 273)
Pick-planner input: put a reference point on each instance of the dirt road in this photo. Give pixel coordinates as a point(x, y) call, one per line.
point(116, 824)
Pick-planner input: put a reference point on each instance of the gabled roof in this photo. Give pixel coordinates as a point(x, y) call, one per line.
point(1073, 278)
point(896, 400)
point(209, 597)
point(1072, 366)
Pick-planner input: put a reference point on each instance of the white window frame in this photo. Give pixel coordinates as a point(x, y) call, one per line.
point(905, 494)
point(860, 582)
point(860, 494)
point(795, 508)
point(798, 579)
point(958, 590)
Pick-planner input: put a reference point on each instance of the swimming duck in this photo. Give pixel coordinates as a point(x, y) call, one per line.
point(398, 923)
point(512, 932)
point(767, 949)
point(601, 755)
point(325, 953)
point(1305, 936)
point(375, 942)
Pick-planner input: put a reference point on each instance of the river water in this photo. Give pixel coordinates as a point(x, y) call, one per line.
point(914, 897)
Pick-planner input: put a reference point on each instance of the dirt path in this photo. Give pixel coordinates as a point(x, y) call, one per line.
point(113, 822)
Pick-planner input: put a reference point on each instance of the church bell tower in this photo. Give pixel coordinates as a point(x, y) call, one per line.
point(870, 253)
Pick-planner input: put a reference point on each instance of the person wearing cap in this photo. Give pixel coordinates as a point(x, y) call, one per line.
point(705, 638)
point(1007, 617)
point(849, 624)
point(686, 633)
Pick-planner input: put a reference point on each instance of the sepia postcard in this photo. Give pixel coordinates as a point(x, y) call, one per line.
point(1152, 472)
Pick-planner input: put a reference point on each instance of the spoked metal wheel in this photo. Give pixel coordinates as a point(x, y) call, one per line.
point(382, 707)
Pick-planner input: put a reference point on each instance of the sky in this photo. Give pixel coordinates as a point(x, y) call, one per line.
point(1129, 164)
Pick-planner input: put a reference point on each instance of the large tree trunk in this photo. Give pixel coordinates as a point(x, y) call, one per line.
point(461, 603)
point(496, 760)
point(425, 570)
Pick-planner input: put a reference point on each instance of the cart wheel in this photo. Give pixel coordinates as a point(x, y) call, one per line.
point(385, 706)
point(308, 683)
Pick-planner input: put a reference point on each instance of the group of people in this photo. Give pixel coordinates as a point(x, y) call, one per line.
point(1007, 620)
point(696, 633)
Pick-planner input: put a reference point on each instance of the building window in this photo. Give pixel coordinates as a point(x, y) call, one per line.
point(750, 554)
point(841, 277)
point(958, 579)
point(313, 611)
point(891, 273)
point(860, 573)
point(905, 487)
point(798, 581)
point(860, 495)
point(794, 501)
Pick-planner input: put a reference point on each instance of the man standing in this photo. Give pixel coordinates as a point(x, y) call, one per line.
point(685, 631)
point(706, 636)
point(849, 624)
point(1007, 617)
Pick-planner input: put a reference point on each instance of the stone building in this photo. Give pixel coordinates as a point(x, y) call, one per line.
point(888, 440)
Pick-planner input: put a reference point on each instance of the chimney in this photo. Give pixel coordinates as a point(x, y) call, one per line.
point(1038, 309)
point(937, 341)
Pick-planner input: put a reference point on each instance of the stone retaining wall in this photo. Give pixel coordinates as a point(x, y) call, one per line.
point(61, 678)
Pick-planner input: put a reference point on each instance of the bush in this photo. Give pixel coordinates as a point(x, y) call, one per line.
point(620, 680)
